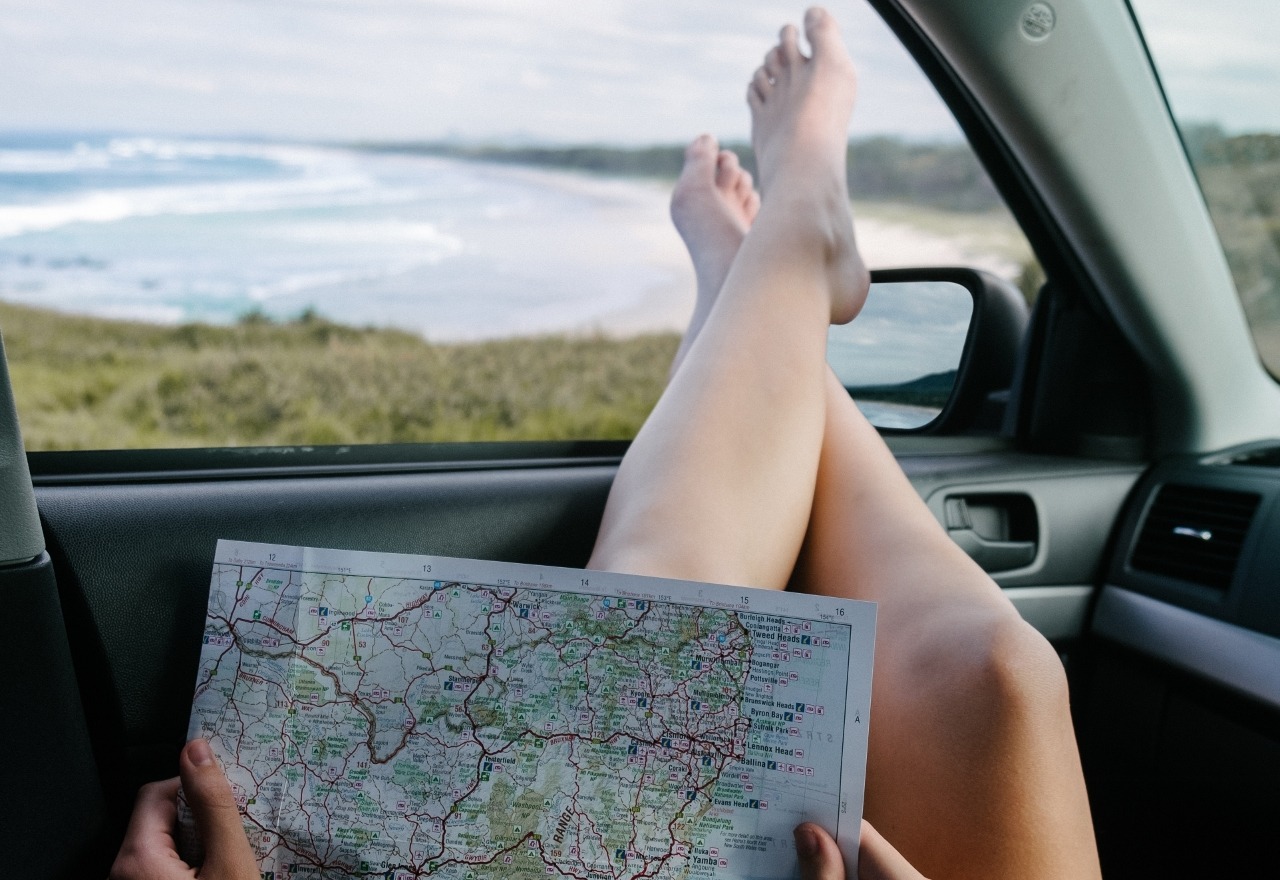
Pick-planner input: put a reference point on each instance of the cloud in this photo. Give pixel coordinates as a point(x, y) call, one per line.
point(1218, 62)
point(555, 70)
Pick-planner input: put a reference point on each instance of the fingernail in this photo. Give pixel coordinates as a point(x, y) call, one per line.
point(806, 842)
point(200, 753)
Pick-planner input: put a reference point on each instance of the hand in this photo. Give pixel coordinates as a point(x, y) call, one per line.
point(820, 857)
point(149, 851)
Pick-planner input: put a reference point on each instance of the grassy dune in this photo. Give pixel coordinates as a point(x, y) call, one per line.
point(86, 383)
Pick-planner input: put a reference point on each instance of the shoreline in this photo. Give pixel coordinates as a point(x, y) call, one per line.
point(625, 241)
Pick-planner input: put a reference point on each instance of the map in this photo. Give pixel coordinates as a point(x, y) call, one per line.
point(393, 716)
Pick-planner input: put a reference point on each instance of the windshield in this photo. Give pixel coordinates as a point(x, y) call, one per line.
point(1221, 74)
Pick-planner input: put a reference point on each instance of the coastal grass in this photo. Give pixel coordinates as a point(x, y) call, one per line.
point(90, 383)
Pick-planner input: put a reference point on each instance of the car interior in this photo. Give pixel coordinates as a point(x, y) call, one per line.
point(1112, 458)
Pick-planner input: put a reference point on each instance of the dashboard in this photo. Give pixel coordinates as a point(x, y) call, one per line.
point(1179, 718)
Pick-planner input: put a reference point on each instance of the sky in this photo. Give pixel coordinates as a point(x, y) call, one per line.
point(1218, 61)
point(568, 71)
point(617, 71)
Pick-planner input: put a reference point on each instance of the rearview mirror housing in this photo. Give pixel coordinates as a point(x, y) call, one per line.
point(933, 351)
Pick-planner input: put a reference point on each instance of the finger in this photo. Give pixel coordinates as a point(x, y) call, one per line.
point(149, 839)
point(819, 856)
point(228, 855)
point(878, 860)
point(154, 811)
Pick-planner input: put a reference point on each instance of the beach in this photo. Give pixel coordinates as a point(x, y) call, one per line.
point(178, 230)
point(164, 293)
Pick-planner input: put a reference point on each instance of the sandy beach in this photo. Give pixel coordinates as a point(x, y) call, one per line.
point(889, 236)
point(449, 249)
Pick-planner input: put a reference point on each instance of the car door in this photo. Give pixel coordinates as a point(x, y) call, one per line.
point(1037, 488)
point(1140, 352)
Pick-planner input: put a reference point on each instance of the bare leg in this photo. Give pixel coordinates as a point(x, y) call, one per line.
point(973, 769)
point(719, 482)
point(712, 206)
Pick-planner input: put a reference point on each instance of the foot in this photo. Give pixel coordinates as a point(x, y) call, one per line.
point(800, 109)
point(712, 206)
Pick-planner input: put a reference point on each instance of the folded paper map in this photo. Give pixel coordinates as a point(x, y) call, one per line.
point(395, 716)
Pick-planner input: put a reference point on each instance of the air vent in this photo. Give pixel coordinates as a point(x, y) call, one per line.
point(1195, 534)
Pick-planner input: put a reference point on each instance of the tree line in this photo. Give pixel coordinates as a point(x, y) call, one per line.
point(889, 169)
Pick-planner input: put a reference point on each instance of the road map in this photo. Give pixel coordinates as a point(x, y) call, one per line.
point(393, 716)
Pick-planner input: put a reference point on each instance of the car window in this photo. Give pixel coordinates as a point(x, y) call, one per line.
point(1221, 75)
point(231, 223)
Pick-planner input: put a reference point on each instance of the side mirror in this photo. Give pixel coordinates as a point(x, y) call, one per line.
point(932, 350)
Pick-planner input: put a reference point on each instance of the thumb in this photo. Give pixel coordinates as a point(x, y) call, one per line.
point(819, 856)
point(878, 860)
point(228, 855)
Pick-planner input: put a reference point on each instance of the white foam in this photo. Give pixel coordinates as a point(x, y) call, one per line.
point(294, 156)
point(313, 177)
point(52, 161)
point(85, 157)
point(439, 244)
point(300, 282)
point(113, 205)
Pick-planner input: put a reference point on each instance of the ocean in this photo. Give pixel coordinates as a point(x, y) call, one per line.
point(169, 230)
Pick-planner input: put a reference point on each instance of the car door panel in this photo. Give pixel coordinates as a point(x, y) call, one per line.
point(133, 559)
point(1073, 504)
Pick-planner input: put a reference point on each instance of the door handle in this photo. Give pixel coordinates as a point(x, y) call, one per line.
point(1000, 532)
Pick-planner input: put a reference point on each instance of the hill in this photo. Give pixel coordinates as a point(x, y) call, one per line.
point(89, 383)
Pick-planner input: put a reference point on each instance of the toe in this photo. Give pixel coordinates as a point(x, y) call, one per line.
point(821, 31)
point(774, 63)
point(698, 172)
point(743, 185)
point(788, 47)
point(762, 84)
point(700, 148)
point(700, 157)
point(727, 170)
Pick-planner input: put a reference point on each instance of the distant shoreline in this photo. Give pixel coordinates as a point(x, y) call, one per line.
point(620, 220)
point(944, 176)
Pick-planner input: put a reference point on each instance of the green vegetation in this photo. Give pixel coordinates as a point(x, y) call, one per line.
point(932, 390)
point(1240, 177)
point(887, 169)
point(86, 383)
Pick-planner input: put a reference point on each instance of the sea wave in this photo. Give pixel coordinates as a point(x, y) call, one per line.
point(53, 161)
point(382, 232)
point(169, 229)
point(113, 205)
point(83, 155)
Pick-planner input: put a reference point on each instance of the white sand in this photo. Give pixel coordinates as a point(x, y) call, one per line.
point(885, 244)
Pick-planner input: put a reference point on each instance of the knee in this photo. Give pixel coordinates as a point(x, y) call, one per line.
point(1021, 671)
point(995, 667)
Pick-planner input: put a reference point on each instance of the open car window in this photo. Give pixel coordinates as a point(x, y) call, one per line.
point(1221, 75)
point(231, 224)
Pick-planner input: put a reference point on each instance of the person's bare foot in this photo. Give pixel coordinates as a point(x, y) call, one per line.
point(800, 109)
point(712, 206)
